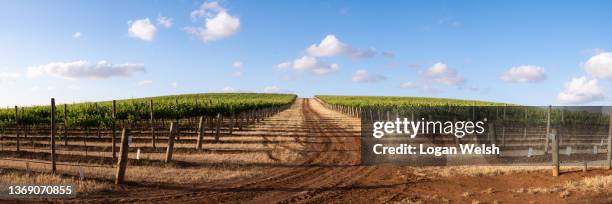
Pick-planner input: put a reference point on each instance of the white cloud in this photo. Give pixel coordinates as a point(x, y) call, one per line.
point(362, 76)
point(283, 66)
point(328, 47)
point(229, 89)
point(145, 83)
point(440, 73)
point(8, 77)
point(164, 21)
point(142, 29)
point(218, 24)
point(600, 66)
point(237, 64)
point(275, 89)
point(76, 35)
point(174, 84)
point(84, 69)
point(408, 85)
point(308, 63)
point(524, 73)
point(580, 91)
point(331, 46)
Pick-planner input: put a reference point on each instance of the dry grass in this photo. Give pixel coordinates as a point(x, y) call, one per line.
point(596, 184)
point(20, 178)
point(261, 150)
point(600, 184)
point(451, 171)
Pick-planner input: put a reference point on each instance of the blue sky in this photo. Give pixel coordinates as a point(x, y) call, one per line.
point(524, 52)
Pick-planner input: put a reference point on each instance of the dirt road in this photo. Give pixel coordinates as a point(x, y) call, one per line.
point(328, 170)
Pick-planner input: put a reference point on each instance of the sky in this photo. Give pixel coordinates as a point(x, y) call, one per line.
point(523, 52)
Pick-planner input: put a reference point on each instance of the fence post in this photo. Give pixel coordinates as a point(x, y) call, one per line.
point(547, 130)
point(232, 121)
point(170, 148)
point(153, 138)
point(65, 124)
point(610, 142)
point(123, 158)
point(53, 156)
point(17, 127)
point(555, 152)
point(200, 133)
point(114, 130)
point(218, 131)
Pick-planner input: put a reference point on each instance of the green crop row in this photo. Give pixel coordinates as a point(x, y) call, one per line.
point(164, 107)
point(449, 109)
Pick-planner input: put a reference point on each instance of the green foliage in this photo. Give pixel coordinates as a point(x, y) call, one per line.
point(449, 109)
point(166, 107)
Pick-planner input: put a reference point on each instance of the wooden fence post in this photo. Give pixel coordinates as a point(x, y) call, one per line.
point(610, 142)
point(555, 152)
point(170, 148)
point(547, 130)
point(200, 133)
point(65, 125)
point(17, 127)
point(53, 156)
point(152, 123)
point(232, 121)
point(123, 158)
point(114, 130)
point(241, 121)
point(218, 131)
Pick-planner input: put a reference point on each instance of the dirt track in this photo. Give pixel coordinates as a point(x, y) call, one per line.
point(328, 170)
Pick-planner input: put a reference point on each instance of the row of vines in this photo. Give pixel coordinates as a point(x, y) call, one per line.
point(165, 107)
point(450, 109)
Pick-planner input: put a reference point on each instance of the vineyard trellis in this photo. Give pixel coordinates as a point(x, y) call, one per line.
point(77, 121)
point(525, 119)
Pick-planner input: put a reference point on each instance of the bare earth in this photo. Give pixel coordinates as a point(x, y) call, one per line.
point(326, 169)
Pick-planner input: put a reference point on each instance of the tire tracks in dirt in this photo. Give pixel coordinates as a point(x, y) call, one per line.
point(331, 172)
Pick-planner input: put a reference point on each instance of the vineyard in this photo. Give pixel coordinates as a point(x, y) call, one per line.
point(271, 148)
point(165, 107)
point(96, 136)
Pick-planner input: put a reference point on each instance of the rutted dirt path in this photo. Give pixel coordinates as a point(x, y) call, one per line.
point(328, 170)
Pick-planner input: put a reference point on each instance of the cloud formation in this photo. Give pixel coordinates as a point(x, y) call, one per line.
point(229, 89)
point(76, 35)
point(599, 66)
point(83, 69)
point(275, 89)
point(237, 64)
point(142, 29)
point(218, 24)
point(308, 63)
point(362, 76)
point(331, 46)
point(524, 73)
point(580, 91)
point(441, 73)
point(164, 21)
